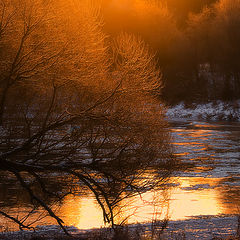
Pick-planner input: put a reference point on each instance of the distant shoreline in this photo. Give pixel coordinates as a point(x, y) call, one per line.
point(212, 111)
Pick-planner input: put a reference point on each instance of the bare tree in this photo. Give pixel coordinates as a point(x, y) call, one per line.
point(69, 106)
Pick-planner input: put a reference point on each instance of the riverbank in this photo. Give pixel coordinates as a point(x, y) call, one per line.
point(212, 111)
point(202, 227)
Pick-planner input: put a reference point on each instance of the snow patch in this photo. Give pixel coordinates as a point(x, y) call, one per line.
point(214, 111)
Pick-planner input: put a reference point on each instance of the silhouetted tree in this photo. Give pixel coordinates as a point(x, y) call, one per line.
point(68, 105)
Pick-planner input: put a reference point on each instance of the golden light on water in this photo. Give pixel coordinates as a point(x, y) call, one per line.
point(193, 197)
point(195, 201)
point(82, 212)
point(186, 197)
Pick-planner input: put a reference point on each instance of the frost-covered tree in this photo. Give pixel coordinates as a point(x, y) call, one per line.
point(73, 103)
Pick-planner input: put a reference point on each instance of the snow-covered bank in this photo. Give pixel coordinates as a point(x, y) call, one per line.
point(202, 227)
point(213, 111)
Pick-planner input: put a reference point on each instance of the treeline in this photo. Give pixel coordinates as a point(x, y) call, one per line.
point(196, 43)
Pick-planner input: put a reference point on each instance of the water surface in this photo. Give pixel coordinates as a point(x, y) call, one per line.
point(209, 186)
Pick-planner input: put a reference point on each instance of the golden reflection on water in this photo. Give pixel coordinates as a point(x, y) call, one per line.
point(196, 196)
point(193, 197)
point(81, 212)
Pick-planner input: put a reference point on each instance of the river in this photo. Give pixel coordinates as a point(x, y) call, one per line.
point(210, 185)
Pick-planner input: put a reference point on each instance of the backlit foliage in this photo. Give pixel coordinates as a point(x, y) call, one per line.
point(75, 102)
